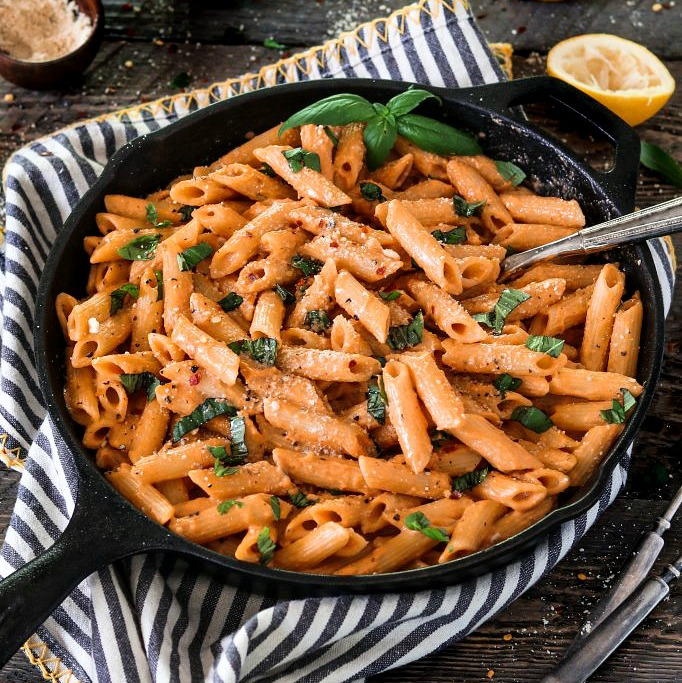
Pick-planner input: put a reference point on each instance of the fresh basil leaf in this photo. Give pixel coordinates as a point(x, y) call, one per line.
point(238, 447)
point(379, 136)
point(439, 438)
point(276, 508)
point(263, 349)
point(655, 159)
point(390, 296)
point(508, 301)
point(377, 401)
point(336, 492)
point(285, 295)
point(220, 453)
point(141, 248)
point(272, 44)
point(505, 382)
point(402, 336)
point(220, 469)
point(225, 506)
point(153, 217)
point(308, 266)
point(532, 418)
point(467, 209)
point(331, 135)
point(335, 110)
point(469, 480)
point(510, 172)
point(300, 500)
point(455, 236)
point(434, 136)
point(266, 169)
point(418, 521)
point(159, 284)
point(141, 381)
point(371, 192)
point(186, 212)
point(181, 80)
point(317, 321)
point(617, 414)
point(552, 346)
point(118, 295)
point(230, 302)
point(210, 408)
point(298, 157)
point(406, 101)
point(266, 546)
point(191, 256)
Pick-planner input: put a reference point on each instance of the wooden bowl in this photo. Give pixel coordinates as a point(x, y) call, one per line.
point(44, 75)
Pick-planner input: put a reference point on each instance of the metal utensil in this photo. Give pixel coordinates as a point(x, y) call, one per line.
point(656, 221)
point(604, 639)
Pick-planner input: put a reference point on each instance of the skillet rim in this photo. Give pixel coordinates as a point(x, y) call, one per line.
point(469, 565)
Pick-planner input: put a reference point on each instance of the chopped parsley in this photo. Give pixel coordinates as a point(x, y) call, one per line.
point(266, 546)
point(276, 509)
point(300, 500)
point(226, 505)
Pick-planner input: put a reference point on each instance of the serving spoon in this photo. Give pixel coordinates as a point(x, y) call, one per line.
point(656, 221)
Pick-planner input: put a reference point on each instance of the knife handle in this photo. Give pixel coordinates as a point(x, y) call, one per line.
point(604, 639)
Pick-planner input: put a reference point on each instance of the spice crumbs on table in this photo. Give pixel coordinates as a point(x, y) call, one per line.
point(507, 637)
point(129, 64)
point(582, 577)
point(490, 673)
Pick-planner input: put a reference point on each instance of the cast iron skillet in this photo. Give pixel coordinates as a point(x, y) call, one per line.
point(105, 527)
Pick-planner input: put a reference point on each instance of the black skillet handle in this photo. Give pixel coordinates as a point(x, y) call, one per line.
point(102, 529)
point(621, 180)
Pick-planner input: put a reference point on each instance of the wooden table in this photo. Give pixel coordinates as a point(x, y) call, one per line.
point(212, 40)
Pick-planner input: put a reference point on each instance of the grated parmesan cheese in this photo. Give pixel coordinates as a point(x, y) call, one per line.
point(93, 325)
point(42, 30)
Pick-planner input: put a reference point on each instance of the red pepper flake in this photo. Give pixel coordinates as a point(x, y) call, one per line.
point(381, 270)
point(194, 379)
point(520, 30)
point(334, 245)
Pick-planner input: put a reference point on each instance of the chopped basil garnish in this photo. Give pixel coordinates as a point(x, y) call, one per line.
point(331, 135)
point(263, 349)
point(510, 172)
point(186, 212)
point(457, 235)
point(317, 321)
point(309, 266)
point(418, 521)
point(381, 359)
point(505, 382)
point(159, 284)
point(372, 192)
point(439, 438)
point(266, 546)
point(508, 301)
point(238, 447)
point(469, 480)
point(153, 217)
point(220, 453)
point(532, 418)
point(190, 257)
point(390, 296)
point(402, 336)
point(210, 408)
point(618, 412)
point(141, 248)
point(140, 381)
point(220, 469)
point(467, 209)
point(119, 294)
point(181, 80)
point(230, 302)
point(377, 401)
point(300, 500)
point(266, 169)
point(272, 44)
point(299, 157)
point(276, 509)
point(552, 346)
point(227, 505)
point(284, 294)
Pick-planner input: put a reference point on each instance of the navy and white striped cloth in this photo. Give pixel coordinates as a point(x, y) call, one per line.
point(149, 618)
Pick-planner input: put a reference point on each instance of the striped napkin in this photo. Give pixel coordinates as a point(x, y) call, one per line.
point(150, 618)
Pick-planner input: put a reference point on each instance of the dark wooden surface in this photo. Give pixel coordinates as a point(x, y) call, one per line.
point(216, 40)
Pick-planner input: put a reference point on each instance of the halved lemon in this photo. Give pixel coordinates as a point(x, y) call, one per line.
point(621, 74)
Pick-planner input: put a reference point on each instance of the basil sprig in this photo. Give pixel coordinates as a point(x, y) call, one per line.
point(658, 160)
point(377, 401)
point(467, 209)
point(210, 408)
point(385, 122)
point(532, 418)
point(153, 217)
point(508, 301)
point(118, 295)
point(230, 302)
point(317, 321)
point(418, 521)
point(266, 546)
point(402, 336)
point(263, 349)
point(505, 382)
point(298, 157)
point(141, 248)
point(510, 172)
point(455, 236)
point(552, 346)
point(192, 256)
point(618, 411)
point(140, 381)
point(226, 505)
point(469, 480)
